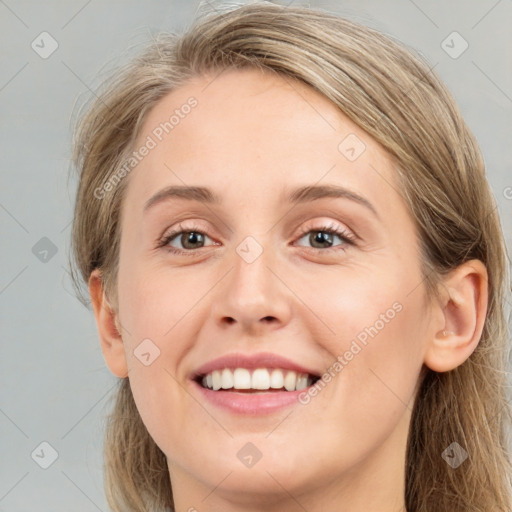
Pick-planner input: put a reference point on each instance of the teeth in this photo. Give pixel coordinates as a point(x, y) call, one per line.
point(276, 379)
point(302, 382)
point(261, 379)
point(241, 378)
point(227, 379)
point(217, 380)
point(290, 381)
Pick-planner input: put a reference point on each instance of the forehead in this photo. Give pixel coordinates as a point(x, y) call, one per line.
point(252, 132)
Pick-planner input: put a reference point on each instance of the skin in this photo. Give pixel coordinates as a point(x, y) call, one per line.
point(252, 138)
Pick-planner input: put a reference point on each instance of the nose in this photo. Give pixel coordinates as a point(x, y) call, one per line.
point(253, 297)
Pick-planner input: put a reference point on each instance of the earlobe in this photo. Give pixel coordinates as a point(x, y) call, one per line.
point(112, 344)
point(464, 309)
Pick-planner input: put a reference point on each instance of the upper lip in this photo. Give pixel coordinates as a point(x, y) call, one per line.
point(252, 361)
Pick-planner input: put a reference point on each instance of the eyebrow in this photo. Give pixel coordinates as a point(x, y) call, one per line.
point(201, 194)
point(314, 192)
point(296, 196)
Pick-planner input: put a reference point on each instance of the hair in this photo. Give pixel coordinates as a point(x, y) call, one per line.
point(392, 94)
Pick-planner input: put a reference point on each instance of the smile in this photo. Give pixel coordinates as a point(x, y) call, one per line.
point(259, 379)
point(252, 384)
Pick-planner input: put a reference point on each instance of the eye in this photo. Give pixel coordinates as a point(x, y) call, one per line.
point(323, 237)
point(187, 240)
point(184, 241)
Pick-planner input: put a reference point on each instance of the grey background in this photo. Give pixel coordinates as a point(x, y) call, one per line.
point(54, 385)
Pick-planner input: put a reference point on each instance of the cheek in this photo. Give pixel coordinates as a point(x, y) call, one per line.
point(155, 304)
point(156, 314)
point(376, 339)
point(364, 306)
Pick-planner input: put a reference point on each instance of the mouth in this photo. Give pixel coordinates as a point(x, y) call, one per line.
point(252, 384)
point(257, 381)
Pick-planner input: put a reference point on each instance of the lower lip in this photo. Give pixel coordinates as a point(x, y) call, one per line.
point(250, 403)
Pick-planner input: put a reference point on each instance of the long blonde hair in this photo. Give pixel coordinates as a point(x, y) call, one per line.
point(399, 101)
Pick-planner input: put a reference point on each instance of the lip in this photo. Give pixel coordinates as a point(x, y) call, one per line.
point(251, 362)
point(250, 403)
point(263, 402)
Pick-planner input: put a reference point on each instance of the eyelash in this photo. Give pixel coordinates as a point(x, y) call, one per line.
point(343, 234)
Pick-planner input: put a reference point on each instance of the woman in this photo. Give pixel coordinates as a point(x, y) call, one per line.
point(297, 272)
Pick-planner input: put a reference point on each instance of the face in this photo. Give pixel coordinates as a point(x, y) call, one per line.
point(300, 262)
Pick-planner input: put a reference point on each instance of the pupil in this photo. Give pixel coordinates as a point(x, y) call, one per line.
point(322, 237)
point(193, 238)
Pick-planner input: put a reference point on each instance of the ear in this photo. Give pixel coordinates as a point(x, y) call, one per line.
point(108, 327)
point(463, 309)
